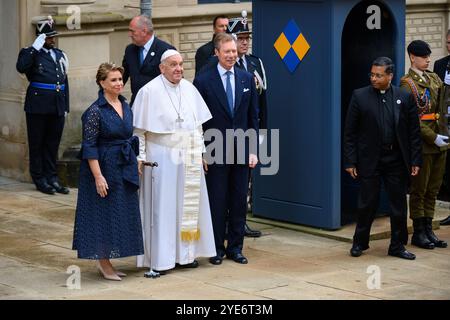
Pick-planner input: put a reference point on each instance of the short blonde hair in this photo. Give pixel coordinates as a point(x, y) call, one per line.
point(104, 69)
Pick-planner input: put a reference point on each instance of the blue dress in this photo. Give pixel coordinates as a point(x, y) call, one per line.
point(109, 227)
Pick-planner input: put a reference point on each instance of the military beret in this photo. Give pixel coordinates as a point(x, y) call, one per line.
point(419, 48)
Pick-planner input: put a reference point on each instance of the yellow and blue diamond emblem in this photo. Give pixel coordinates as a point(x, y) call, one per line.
point(292, 46)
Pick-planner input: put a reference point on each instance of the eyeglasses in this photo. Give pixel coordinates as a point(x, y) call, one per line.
point(376, 75)
point(242, 39)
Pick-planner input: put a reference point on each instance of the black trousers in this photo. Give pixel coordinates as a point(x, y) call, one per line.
point(391, 170)
point(44, 136)
point(227, 191)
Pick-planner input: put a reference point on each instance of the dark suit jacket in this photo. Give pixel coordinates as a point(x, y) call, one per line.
point(202, 55)
point(440, 66)
point(141, 75)
point(253, 64)
point(362, 135)
point(210, 86)
point(40, 67)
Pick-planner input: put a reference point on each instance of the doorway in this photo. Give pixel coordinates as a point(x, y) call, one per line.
point(359, 48)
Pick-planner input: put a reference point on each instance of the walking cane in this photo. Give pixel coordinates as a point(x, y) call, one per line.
point(151, 273)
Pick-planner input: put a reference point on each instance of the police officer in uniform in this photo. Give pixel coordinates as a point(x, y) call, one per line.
point(46, 105)
point(427, 90)
point(254, 65)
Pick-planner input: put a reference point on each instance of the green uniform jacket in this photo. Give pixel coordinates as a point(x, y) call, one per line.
point(429, 129)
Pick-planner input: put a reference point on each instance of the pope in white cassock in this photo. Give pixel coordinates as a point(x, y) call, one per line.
point(168, 117)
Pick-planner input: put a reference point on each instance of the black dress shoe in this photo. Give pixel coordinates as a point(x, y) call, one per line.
point(238, 257)
point(216, 260)
point(357, 250)
point(404, 254)
point(445, 222)
point(193, 264)
point(45, 188)
point(251, 233)
point(59, 188)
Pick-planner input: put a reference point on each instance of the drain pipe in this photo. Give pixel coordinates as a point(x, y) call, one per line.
point(146, 8)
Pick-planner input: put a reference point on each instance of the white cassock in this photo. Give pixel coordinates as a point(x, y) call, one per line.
point(168, 121)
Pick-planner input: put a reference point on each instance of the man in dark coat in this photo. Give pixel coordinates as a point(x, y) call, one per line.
point(142, 57)
point(442, 65)
point(46, 105)
point(442, 69)
point(220, 24)
point(382, 142)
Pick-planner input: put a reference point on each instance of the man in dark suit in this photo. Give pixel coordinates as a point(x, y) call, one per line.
point(442, 65)
point(142, 57)
point(231, 96)
point(382, 142)
point(442, 68)
point(46, 105)
point(251, 63)
point(220, 24)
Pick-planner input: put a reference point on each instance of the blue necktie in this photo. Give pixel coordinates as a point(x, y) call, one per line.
point(141, 55)
point(229, 92)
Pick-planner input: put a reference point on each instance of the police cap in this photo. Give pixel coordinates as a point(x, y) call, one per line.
point(46, 26)
point(238, 25)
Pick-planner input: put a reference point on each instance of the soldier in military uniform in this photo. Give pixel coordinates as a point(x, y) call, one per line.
point(254, 65)
point(46, 105)
point(427, 89)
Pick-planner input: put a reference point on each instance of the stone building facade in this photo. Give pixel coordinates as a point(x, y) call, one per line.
point(101, 35)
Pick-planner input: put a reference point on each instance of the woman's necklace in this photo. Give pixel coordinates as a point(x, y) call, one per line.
point(178, 111)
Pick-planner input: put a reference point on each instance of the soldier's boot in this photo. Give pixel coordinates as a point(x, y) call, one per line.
point(431, 236)
point(419, 237)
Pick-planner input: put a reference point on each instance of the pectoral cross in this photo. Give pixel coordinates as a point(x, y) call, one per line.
point(179, 120)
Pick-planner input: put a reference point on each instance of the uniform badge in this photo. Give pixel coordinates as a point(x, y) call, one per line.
point(399, 101)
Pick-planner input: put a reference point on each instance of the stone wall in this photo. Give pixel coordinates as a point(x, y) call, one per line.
point(429, 22)
point(103, 37)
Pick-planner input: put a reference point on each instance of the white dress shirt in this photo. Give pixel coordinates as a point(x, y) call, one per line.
point(148, 45)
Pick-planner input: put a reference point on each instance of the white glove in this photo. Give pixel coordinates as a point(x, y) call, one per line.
point(39, 42)
point(447, 78)
point(441, 141)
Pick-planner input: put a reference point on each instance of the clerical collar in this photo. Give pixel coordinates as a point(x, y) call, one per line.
point(385, 90)
point(168, 83)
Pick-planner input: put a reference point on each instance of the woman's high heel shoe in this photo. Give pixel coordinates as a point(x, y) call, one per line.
point(120, 274)
point(113, 277)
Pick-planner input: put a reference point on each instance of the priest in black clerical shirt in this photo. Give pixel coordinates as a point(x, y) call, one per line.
point(382, 143)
